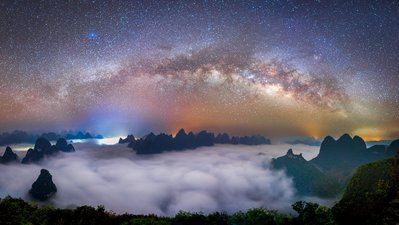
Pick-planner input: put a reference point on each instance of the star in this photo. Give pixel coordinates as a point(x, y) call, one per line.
point(270, 67)
point(92, 35)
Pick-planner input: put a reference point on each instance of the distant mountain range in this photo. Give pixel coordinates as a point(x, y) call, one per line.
point(152, 144)
point(18, 136)
point(328, 173)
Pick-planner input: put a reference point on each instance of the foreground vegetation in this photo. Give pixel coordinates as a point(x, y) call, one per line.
point(17, 211)
point(371, 197)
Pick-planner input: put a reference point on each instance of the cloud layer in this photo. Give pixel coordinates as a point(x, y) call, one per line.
point(220, 178)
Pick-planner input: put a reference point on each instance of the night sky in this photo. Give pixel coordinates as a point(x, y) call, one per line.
point(277, 68)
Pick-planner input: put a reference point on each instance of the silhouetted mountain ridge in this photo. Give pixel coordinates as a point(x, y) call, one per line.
point(347, 153)
point(43, 147)
point(152, 144)
point(128, 139)
point(9, 156)
point(307, 177)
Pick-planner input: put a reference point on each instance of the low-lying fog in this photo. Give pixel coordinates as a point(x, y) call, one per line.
point(220, 178)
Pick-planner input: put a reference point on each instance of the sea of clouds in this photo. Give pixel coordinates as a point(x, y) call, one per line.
point(220, 178)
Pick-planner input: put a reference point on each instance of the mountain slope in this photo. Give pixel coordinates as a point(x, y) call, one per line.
point(368, 194)
point(308, 179)
point(327, 174)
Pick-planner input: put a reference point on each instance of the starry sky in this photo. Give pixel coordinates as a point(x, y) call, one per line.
point(277, 68)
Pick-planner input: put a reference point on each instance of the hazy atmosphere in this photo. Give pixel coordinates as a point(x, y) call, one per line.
point(199, 112)
point(220, 178)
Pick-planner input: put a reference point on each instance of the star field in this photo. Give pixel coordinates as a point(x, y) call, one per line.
point(278, 68)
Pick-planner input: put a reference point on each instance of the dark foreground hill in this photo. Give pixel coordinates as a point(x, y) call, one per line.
point(372, 195)
point(43, 188)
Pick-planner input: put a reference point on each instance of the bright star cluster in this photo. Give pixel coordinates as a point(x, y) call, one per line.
point(277, 68)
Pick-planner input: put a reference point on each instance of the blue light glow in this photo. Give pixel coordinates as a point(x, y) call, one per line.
point(92, 35)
